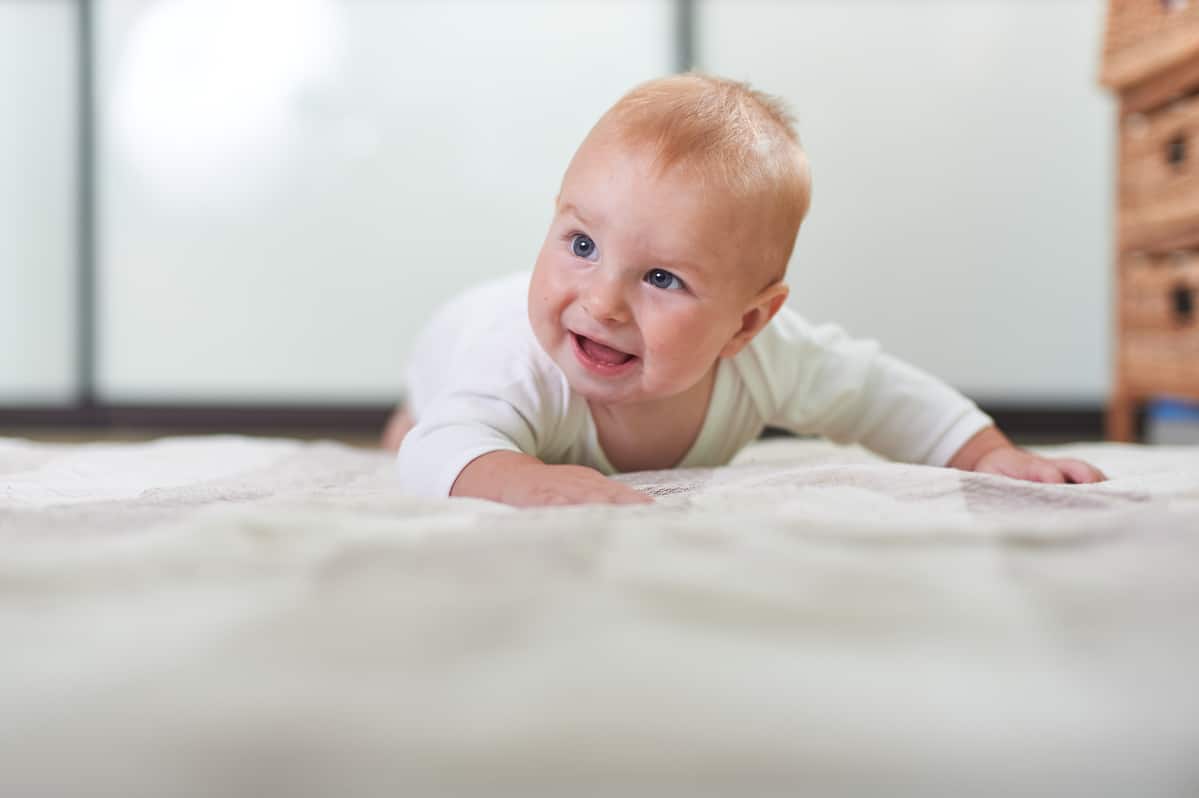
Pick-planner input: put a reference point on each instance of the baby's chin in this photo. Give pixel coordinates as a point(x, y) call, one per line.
point(599, 389)
point(625, 390)
point(623, 394)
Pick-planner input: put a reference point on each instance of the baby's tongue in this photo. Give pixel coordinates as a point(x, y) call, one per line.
point(603, 354)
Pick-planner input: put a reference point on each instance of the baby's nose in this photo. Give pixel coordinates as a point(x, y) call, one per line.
point(605, 301)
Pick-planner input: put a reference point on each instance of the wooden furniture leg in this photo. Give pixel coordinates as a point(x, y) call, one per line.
point(1121, 418)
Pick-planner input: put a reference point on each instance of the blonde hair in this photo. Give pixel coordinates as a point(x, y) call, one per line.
point(741, 138)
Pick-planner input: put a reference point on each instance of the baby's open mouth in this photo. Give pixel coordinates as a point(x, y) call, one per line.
point(601, 354)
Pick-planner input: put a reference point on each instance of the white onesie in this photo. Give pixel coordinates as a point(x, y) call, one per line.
point(479, 382)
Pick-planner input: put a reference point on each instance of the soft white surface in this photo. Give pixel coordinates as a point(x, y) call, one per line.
point(248, 617)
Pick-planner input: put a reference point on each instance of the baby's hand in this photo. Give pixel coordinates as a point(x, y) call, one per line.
point(569, 484)
point(990, 452)
point(1010, 461)
point(524, 481)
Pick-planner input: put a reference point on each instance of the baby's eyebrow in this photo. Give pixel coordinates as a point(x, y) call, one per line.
point(687, 267)
point(574, 211)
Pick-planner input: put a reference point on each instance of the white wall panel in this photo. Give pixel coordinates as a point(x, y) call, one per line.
point(37, 202)
point(288, 187)
point(963, 163)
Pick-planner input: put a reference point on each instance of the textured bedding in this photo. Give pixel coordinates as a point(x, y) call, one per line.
point(236, 616)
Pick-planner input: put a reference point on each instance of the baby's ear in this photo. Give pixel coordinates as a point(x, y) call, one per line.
point(757, 315)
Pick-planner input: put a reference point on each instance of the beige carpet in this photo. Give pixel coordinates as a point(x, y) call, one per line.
point(235, 616)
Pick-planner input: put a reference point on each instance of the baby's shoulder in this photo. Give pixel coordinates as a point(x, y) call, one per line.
point(484, 308)
point(481, 340)
point(786, 353)
point(785, 335)
point(789, 333)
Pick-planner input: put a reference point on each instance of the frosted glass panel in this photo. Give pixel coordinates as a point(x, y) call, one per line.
point(962, 163)
point(288, 187)
point(37, 202)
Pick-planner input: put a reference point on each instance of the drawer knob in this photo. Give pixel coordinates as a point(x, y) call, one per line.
point(1183, 301)
point(1176, 150)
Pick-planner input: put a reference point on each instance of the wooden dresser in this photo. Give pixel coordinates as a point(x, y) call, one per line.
point(1151, 61)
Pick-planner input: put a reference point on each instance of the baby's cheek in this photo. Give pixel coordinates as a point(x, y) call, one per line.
point(669, 352)
point(692, 334)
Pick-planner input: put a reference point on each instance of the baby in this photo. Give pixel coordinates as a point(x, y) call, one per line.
point(652, 332)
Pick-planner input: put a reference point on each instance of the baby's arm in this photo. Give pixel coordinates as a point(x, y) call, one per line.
point(850, 391)
point(482, 443)
point(524, 481)
point(990, 452)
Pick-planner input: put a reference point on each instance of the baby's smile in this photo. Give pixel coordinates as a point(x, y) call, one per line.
point(600, 358)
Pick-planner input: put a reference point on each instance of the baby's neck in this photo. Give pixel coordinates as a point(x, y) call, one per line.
point(653, 435)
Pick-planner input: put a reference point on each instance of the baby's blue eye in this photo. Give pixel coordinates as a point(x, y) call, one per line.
point(582, 245)
point(660, 278)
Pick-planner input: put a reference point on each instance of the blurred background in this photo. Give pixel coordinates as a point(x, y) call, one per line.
point(236, 214)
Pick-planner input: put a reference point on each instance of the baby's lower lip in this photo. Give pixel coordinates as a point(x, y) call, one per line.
point(596, 367)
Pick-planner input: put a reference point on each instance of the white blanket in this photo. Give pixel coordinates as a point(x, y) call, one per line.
point(231, 616)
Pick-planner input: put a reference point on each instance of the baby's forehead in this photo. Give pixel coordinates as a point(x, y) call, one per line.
point(641, 166)
point(667, 208)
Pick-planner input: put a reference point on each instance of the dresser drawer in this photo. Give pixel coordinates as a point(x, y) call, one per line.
point(1146, 36)
point(1160, 292)
point(1159, 174)
point(1159, 322)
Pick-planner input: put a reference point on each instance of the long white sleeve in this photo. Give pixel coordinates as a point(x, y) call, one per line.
point(460, 426)
point(824, 382)
point(478, 382)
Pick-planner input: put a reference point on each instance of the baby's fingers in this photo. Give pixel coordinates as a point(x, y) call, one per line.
point(1043, 471)
point(1079, 472)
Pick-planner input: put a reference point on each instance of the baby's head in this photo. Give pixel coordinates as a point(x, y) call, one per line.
point(671, 236)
